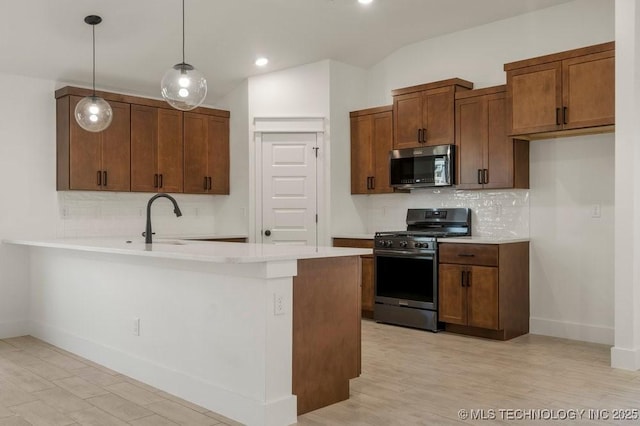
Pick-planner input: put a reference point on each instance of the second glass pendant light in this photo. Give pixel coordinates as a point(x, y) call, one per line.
point(183, 86)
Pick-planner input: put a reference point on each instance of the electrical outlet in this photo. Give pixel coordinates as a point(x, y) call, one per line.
point(278, 304)
point(596, 210)
point(136, 326)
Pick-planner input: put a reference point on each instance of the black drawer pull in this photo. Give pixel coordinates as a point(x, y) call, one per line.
point(466, 255)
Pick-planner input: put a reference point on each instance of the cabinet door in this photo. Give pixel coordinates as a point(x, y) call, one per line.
point(482, 298)
point(85, 162)
point(116, 149)
point(218, 154)
point(438, 116)
point(368, 298)
point(536, 98)
point(169, 151)
point(588, 88)
point(499, 158)
point(452, 305)
point(144, 137)
point(361, 154)
point(407, 118)
point(382, 143)
point(195, 153)
point(471, 135)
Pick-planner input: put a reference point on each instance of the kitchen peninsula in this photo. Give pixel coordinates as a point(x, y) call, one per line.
point(258, 333)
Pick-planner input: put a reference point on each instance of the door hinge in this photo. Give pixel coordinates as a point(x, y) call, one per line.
point(316, 148)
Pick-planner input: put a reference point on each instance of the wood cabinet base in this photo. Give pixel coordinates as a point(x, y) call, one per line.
point(326, 330)
point(484, 332)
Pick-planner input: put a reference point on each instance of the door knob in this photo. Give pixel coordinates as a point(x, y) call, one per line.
point(267, 232)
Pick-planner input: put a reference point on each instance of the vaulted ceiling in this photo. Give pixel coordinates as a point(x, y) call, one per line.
point(139, 40)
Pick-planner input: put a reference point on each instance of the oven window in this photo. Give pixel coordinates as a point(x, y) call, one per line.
point(406, 278)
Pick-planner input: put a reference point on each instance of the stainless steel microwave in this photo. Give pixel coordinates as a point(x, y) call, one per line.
point(422, 167)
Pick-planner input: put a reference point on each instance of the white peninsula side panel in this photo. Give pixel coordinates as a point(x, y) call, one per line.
point(207, 331)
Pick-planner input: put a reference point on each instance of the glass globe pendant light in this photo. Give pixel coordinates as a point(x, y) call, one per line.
point(93, 113)
point(183, 86)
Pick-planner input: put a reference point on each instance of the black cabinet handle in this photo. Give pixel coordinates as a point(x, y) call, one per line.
point(209, 182)
point(419, 135)
point(104, 178)
point(564, 115)
point(99, 178)
point(468, 278)
point(462, 278)
point(155, 180)
point(480, 176)
point(424, 135)
point(485, 177)
point(161, 183)
point(205, 183)
point(557, 116)
point(373, 182)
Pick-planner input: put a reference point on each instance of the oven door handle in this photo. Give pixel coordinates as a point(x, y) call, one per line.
point(404, 253)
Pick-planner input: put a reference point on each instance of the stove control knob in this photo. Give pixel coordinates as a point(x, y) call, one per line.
point(403, 244)
point(380, 243)
point(388, 243)
point(419, 245)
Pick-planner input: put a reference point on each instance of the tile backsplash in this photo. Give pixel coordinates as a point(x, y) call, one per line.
point(499, 213)
point(98, 214)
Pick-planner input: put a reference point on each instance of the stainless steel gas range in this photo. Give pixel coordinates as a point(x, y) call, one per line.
point(406, 266)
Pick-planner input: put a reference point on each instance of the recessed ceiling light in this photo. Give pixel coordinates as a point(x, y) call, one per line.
point(261, 62)
point(365, 1)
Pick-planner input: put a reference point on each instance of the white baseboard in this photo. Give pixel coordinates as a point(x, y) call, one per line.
point(10, 329)
point(208, 395)
point(628, 359)
point(572, 330)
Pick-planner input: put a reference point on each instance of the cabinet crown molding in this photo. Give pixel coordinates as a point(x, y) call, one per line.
point(560, 56)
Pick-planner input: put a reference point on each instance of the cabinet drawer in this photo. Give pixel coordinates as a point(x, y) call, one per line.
point(469, 254)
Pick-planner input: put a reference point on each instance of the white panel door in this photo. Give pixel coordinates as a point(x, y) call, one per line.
point(289, 188)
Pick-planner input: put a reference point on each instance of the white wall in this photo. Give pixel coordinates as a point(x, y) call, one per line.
point(27, 171)
point(571, 250)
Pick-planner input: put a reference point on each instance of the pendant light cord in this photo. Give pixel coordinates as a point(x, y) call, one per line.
point(94, 60)
point(183, 32)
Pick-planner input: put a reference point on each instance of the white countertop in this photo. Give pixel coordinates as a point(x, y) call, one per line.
point(205, 251)
point(483, 240)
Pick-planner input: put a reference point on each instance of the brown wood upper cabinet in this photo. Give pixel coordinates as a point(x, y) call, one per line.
point(371, 141)
point(424, 115)
point(156, 149)
point(206, 153)
point(570, 92)
point(92, 161)
point(486, 157)
point(148, 147)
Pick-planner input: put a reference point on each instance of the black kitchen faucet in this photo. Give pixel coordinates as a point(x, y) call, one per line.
point(176, 210)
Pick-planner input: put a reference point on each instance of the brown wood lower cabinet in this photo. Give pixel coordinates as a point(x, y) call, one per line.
point(326, 330)
point(484, 289)
point(367, 285)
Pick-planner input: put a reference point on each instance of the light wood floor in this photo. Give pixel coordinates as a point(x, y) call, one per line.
point(412, 377)
point(409, 377)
